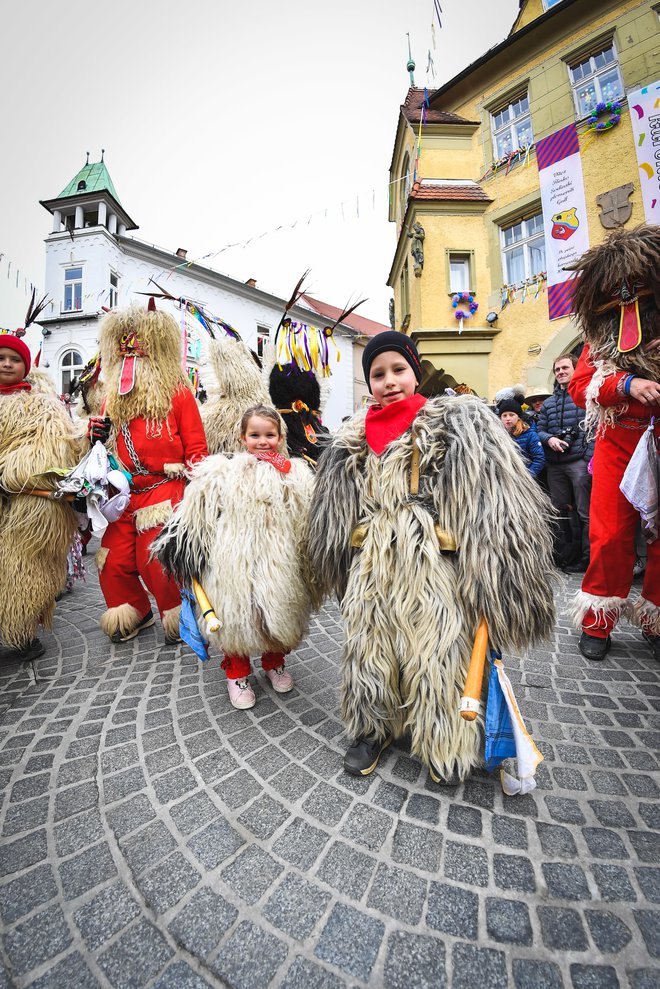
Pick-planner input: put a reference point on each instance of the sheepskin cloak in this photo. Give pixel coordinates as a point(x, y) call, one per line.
point(36, 434)
point(239, 532)
point(411, 610)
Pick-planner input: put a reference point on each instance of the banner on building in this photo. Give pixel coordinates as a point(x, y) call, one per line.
point(645, 118)
point(564, 213)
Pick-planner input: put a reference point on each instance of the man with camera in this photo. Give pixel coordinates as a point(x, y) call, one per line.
point(567, 456)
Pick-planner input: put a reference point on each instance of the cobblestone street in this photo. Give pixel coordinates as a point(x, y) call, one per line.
point(154, 837)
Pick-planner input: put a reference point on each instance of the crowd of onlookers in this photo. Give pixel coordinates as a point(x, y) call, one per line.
point(550, 433)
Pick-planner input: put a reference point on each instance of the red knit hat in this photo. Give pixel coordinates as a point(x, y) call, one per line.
point(14, 343)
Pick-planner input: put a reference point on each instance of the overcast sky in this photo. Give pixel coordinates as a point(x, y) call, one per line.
point(222, 121)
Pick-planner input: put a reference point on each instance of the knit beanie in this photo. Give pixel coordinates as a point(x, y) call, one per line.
point(391, 340)
point(509, 405)
point(15, 343)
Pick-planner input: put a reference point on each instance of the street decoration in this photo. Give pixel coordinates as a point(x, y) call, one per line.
point(507, 161)
point(532, 287)
point(462, 314)
point(613, 107)
point(644, 118)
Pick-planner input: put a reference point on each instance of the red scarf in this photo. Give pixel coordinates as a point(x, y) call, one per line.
point(384, 424)
point(275, 459)
point(18, 386)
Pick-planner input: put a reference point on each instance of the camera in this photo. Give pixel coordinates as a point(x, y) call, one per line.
point(568, 435)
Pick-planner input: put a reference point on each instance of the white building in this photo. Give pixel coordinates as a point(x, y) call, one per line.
point(92, 262)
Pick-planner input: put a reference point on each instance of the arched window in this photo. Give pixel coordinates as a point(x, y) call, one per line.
point(71, 364)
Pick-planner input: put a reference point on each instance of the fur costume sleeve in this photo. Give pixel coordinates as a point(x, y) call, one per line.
point(183, 547)
point(486, 497)
point(334, 513)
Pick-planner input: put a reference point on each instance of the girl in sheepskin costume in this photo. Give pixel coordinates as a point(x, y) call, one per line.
point(239, 533)
point(36, 435)
point(157, 435)
point(436, 524)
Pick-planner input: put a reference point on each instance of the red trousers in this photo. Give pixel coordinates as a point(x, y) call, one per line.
point(237, 667)
point(127, 561)
point(612, 524)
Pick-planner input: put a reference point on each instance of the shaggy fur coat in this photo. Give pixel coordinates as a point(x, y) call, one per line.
point(411, 610)
point(36, 434)
point(239, 532)
point(238, 386)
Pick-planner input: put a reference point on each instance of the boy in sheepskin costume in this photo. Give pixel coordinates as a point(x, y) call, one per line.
point(239, 385)
point(239, 533)
point(36, 435)
point(424, 521)
point(157, 435)
point(617, 381)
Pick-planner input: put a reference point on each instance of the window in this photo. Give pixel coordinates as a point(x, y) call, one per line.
point(405, 184)
point(404, 297)
point(263, 336)
point(71, 364)
point(459, 272)
point(523, 250)
point(547, 4)
point(113, 297)
point(73, 289)
point(596, 79)
point(512, 127)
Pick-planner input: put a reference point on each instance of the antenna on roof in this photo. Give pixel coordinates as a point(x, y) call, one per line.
point(102, 153)
point(411, 64)
point(87, 162)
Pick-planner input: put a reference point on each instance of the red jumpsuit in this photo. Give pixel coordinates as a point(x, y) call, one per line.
point(613, 520)
point(163, 451)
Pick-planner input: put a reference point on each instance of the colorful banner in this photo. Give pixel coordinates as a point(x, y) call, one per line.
point(645, 118)
point(564, 213)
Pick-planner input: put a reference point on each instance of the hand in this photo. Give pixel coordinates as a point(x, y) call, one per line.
point(645, 391)
point(558, 445)
point(98, 428)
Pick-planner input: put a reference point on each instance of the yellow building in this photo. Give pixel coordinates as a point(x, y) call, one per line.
point(479, 203)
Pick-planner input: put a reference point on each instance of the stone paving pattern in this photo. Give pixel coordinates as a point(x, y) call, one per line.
point(151, 836)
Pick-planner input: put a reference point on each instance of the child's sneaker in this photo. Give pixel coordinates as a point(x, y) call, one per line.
point(241, 694)
point(281, 679)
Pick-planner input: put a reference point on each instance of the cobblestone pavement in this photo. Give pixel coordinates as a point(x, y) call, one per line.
point(154, 837)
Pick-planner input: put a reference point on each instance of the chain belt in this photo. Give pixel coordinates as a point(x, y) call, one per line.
point(140, 469)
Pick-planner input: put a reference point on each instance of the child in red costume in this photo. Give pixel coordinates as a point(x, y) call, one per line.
point(157, 435)
point(617, 381)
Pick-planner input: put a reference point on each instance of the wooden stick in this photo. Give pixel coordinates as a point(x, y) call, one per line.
point(471, 699)
point(213, 623)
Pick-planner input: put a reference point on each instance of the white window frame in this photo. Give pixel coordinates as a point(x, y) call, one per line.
point(72, 368)
point(405, 183)
point(459, 263)
point(72, 283)
point(531, 237)
point(263, 339)
point(113, 298)
point(516, 114)
point(594, 76)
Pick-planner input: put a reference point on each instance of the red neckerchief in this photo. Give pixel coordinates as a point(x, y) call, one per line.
point(384, 424)
point(275, 459)
point(18, 386)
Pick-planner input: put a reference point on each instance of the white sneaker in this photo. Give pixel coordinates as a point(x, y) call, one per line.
point(241, 694)
point(281, 679)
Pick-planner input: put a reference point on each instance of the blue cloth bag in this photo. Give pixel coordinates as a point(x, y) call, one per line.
point(500, 741)
point(188, 628)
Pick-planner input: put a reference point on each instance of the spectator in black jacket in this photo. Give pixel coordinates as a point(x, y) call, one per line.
point(567, 455)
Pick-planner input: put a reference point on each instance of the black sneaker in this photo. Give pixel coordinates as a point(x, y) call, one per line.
point(593, 647)
point(33, 650)
point(654, 642)
point(580, 567)
point(146, 622)
point(362, 757)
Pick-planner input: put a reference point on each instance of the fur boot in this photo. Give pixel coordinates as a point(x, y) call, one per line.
point(123, 619)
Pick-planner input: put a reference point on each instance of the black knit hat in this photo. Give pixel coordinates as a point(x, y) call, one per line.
point(509, 405)
point(391, 340)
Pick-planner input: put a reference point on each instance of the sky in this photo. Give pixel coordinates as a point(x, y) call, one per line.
point(221, 122)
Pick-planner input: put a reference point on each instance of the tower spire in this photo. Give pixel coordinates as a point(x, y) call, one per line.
point(411, 64)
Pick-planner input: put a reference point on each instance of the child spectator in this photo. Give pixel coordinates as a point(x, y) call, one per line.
point(524, 435)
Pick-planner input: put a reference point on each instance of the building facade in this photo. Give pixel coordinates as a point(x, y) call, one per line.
point(93, 263)
point(475, 193)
